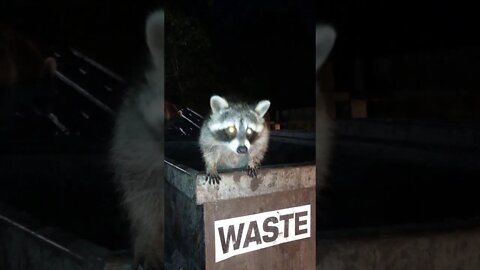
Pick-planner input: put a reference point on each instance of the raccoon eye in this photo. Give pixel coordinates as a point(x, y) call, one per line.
point(251, 135)
point(231, 130)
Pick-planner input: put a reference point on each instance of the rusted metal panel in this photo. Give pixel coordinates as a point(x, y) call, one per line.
point(238, 184)
point(189, 198)
point(285, 188)
point(299, 254)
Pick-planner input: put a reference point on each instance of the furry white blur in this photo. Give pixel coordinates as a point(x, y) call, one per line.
point(138, 153)
point(324, 40)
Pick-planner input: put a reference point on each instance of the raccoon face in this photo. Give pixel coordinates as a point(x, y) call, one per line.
point(237, 126)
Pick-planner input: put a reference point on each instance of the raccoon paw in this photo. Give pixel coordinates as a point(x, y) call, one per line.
point(213, 178)
point(252, 171)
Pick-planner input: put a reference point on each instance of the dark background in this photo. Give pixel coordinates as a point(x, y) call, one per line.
point(413, 162)
point(253, 50)
point(417, 62)
point(250, 50)
point(419, 57)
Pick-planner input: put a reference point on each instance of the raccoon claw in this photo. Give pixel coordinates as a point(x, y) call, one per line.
point(252, 171)
point(213, 178)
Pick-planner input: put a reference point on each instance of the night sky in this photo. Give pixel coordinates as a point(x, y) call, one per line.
point(256, 49)
point(267, 44)
point(379, 27)
point(262, 49)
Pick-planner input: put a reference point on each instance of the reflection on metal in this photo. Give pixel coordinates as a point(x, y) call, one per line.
point(187, 125)
point(192, 117)
point(42, 238)
point(237, 184)
point(57, 123)
point(194, 113)
point(98, 66)
point(182, 131)
point(190, 121)
point(85, 93)
point(176, 167)
point(84, 114)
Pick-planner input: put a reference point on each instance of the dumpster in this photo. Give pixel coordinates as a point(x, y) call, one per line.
point(242, 223)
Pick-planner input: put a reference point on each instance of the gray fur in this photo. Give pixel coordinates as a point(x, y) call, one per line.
point(325, 37)
point(218, 103)
point(324, 41)
point(138, 154)
point(262, 107)
point(216, 153)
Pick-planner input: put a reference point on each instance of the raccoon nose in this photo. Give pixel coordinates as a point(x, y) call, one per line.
point(242, 149)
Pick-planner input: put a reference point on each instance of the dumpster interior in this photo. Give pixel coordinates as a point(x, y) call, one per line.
point(279, 153)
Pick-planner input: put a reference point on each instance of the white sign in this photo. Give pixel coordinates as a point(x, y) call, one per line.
point(244, 234)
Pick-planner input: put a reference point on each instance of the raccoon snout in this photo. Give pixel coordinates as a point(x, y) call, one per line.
point(242, 149)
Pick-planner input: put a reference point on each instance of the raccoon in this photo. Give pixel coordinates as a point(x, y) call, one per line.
point(324, 40)
point(235, 135)
point(138, 154)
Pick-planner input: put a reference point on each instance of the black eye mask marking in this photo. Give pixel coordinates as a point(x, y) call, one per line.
point(224, 135)
point(252, 137)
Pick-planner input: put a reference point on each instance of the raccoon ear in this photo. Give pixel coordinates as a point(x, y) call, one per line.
point(262, 107)
point(218, 103)
point(325, 37)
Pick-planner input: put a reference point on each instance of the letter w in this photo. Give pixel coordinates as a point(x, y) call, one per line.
point(230, 236)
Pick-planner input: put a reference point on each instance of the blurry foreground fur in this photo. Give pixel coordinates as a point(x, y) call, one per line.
point(324, 40)
point(138, 154)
